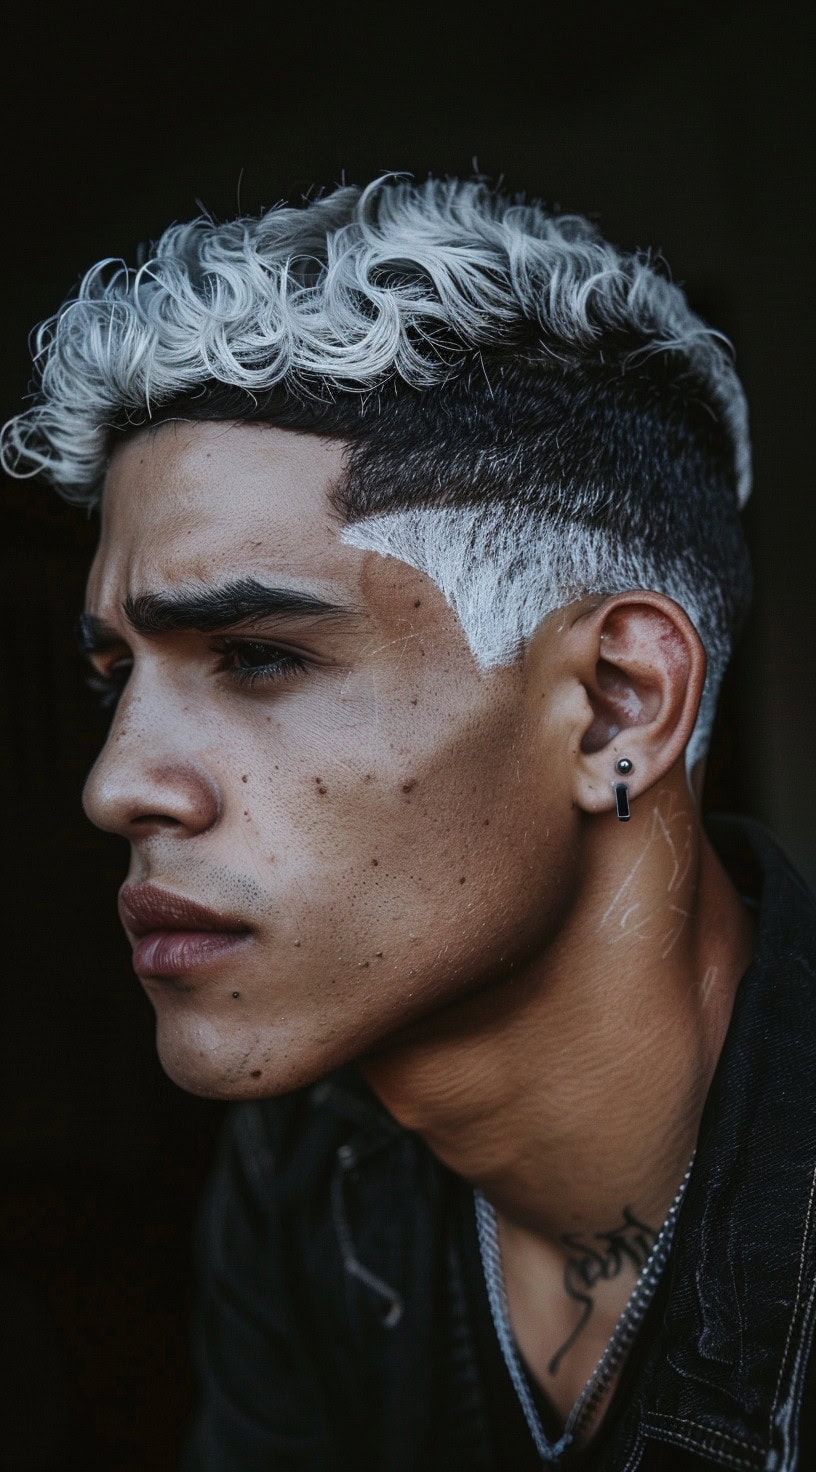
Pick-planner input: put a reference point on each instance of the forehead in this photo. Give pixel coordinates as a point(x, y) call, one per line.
point(186, 501)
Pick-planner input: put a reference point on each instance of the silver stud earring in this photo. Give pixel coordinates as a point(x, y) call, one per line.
point(621, 789)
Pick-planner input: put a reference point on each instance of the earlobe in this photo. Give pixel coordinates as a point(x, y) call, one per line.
point(642, 670)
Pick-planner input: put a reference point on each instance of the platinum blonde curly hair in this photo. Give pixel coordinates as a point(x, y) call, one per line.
point(532, 415)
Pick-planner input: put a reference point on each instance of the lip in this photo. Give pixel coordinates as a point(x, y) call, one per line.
point(145, 908)
point(174, 952)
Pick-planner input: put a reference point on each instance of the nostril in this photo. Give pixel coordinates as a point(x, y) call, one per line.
point(154, 820)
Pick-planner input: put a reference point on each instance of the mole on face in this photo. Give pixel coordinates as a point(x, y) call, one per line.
point(236, 994)
point(256, 1073)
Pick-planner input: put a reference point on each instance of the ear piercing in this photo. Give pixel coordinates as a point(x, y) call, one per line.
point(621, 789)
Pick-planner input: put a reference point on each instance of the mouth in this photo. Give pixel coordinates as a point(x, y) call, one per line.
point(173, 934)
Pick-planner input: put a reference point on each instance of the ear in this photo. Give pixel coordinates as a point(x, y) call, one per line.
point(642, 667)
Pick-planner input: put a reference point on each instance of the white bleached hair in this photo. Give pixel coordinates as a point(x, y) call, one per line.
point(300, 294)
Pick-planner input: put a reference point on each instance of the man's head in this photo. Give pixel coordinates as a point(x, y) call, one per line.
point(506, 458)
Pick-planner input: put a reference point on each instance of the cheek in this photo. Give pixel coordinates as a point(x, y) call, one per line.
point(423, 868)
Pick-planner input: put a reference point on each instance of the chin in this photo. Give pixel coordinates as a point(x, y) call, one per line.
point(213, 1064)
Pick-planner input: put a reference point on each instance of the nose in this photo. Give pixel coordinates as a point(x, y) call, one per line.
point(141, 784)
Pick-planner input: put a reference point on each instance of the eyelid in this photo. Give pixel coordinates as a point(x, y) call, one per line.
point(220, 642)
point(274, 645)
point(281, 660)
point(217, 642)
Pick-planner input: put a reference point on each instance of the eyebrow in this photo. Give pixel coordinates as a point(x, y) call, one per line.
point(204, 610)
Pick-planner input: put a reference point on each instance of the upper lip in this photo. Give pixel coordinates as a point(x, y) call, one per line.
point(146, 907)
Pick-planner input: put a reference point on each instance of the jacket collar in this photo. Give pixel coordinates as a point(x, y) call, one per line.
point(728, 1365)
point(351, 1099)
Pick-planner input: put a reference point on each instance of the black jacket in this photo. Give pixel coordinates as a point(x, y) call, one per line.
point(342, 1321)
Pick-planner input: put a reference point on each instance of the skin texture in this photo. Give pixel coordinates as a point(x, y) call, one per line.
point(427, 856)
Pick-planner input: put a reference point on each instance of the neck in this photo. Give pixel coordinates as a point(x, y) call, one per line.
point(571, 1092)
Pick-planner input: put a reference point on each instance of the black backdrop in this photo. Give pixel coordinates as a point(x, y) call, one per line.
point(682, 126)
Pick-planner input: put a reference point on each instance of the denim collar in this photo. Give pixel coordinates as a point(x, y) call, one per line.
point(729, 1362)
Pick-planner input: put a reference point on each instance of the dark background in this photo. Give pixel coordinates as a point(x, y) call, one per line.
point(679, 126)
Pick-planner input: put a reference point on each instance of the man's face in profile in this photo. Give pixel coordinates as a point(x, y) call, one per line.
point(376, 812)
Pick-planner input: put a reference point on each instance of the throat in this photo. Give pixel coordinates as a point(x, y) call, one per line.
point(567, 1320)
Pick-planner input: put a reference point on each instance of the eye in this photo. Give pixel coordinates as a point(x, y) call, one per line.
point(107, 688)
point(259, 663)
point(248, 662)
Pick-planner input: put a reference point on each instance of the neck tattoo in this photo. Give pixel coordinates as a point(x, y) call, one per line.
point(600, 1259)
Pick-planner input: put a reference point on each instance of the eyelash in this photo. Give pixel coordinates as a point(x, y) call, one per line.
point(108, 688)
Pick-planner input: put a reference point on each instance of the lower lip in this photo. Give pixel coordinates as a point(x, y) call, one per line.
point(172, 952)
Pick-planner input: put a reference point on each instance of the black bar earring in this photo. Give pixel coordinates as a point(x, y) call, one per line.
point(622, 801)
point(621, 790)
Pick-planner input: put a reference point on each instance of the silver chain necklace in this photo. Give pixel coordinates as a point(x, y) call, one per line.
point(622, 1334)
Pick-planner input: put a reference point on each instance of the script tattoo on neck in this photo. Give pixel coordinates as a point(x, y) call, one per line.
point(597, 1260)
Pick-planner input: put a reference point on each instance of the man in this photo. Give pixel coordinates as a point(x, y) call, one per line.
point(419, 567)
